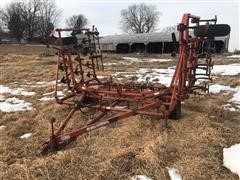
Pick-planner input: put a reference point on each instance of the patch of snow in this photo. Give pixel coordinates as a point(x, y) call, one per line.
point(110, 64)
point(14, 104)
point(234, 56)
point(59, 93)
point(4, 89)
point(134, 59)
point(46, 83)
point(117, 73)
point(174, 174)
point(236, 98)
point(2, 127)
point(25, 136)
point(229, 107)
point(130, 58)
point(20, 91)
point(231, 158)
point(217, 88)
point(140, 177)
point(45, 98)
point(16, 91)
point(49, 96)
point(41, 82)
point(25, 85)
point(101, 77)
point(230, 69)
point(163, 75)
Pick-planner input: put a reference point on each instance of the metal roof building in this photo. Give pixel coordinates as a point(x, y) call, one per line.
point(158, 42)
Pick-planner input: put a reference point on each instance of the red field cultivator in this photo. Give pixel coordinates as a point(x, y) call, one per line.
point(79, 59)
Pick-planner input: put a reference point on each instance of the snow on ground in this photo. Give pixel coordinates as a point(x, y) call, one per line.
point(121, 107)
point(110, 64)
point(50, 96)
point(157, 60)
point(25, 136)
point(230, 69)
point(229, 107)
point(59, 93)
point(130, 60)
point(46, 83)
point(14, 104)
point(163, 76)
point(235, 100)
point(236, 97)
point(140, 177)
point(133, 59)
point(15, 91)
point(217, 88)
point(231, 158)
point(234, 56)
point(101, 77)
point(174, 174)
point(2, 127)
point(46, 98)
point(38, 84)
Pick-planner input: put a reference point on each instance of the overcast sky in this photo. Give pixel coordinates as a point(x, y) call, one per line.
point(105, 15)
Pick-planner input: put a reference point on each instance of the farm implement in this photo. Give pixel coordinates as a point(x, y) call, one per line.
point(106, 101)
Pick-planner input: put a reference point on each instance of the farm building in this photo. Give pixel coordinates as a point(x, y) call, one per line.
point(158, 42)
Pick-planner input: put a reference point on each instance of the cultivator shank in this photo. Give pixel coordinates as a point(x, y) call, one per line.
point(106, 101)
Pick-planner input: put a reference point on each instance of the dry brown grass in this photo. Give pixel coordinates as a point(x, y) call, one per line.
point(133, 146)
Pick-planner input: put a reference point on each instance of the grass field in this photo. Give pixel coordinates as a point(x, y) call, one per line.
point(193, 144)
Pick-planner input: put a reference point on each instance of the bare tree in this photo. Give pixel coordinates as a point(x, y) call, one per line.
point(12, 8)
point(30, 15)
point(1, 21)
point(77, 21)
point(49, 15)
point(35, 15)
point(139, 18)
point(11, 16)
point(16, 26)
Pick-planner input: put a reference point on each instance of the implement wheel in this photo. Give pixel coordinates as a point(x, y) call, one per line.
point(176, 113)
point(212, 30)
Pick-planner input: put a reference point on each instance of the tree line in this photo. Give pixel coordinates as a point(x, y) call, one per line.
point(31, 19)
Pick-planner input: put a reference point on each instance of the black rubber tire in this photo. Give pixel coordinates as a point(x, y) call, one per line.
point(213, 30)
point(176, 113)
